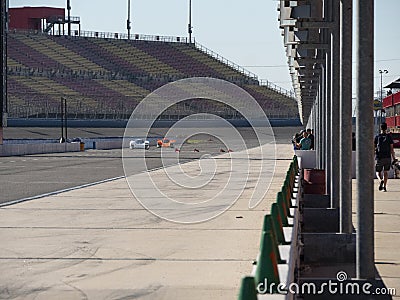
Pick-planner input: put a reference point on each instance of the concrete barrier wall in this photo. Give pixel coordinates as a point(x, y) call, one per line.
point(24, 149)
point(101, 123)
point(308, 158)
point(104, 145)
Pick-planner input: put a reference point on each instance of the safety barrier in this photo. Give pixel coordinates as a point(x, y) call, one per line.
point(278, 257)
point(104, 145)
point(25, 149)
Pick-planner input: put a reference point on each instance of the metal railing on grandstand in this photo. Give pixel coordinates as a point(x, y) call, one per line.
point(226, 61)
point(78, 109)
point(276, 88)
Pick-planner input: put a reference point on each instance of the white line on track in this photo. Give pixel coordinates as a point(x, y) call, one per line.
point(79, 186)
point(59, 191)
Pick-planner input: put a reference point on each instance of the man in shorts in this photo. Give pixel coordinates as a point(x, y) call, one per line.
point(384, 151)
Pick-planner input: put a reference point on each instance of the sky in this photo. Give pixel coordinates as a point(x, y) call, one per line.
point(245, 32)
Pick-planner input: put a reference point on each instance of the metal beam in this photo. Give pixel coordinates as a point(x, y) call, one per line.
point(327, 55)
point(364, 132)
point(314, 24)
point(313, 46)
point(346, 34)
point(335, 106)
point(309, 60)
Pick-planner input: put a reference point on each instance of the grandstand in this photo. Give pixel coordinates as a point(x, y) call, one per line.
point(104, 76)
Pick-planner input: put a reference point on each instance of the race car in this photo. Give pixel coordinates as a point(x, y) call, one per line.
point(165, 143)
point(139, 144)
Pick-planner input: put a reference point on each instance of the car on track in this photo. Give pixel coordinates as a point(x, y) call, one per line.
point(165, 143)
point(139, 144)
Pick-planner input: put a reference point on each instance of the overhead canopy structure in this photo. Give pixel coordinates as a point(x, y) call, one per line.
point(318, 36)
point(301, 23)
point(393, 85)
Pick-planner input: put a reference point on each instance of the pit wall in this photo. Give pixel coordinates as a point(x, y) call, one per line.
point(25, 149)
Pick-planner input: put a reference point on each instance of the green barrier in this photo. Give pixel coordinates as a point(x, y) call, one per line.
point(282, 209)
point(288, 200)
point(276, 219)
point(288, 183)
point(296, 164)
point(267, 267)
point(248, 289)
point(287, 196)
point(268, 226)
point(292, 168)
point(290, 179)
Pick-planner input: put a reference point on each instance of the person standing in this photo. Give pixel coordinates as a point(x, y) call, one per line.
point(311, 137)
point(305, 142)
point(296, 139)
point(353, 141)
point(384, 151)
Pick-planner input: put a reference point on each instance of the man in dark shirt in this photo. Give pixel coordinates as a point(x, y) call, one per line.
point(311, 137)
point(384, 151)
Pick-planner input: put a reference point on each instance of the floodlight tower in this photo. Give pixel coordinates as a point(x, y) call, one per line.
point(190, 27)
point(128, 21)
point(69, 16)
point(381, 72)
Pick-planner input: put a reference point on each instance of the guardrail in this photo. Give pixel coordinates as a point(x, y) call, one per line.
point(109, 35)
point(276, 88)
point(245, 72)
point(226, 61)
point(124, 36)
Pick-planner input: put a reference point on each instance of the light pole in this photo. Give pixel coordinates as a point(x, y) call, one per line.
point(190, 22)
point(381, 72)
point(64, 124)
point(128, 21)
point(69, 16)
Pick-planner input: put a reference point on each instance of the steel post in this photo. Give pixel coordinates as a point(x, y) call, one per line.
point(364, 135)
point(346, 34)
point(335, 107)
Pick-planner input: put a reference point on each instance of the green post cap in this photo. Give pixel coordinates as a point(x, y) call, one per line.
point(248, 289)
point(276, 219)
point(282, 209)
point(267, 267)
point(268, 226)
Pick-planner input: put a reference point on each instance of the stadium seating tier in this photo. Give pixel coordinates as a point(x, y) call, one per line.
point(107, 78)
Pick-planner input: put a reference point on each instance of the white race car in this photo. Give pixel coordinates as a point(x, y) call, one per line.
point(139, 144)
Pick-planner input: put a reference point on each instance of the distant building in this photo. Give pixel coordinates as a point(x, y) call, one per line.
point(43, 19)
point(391, 105)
